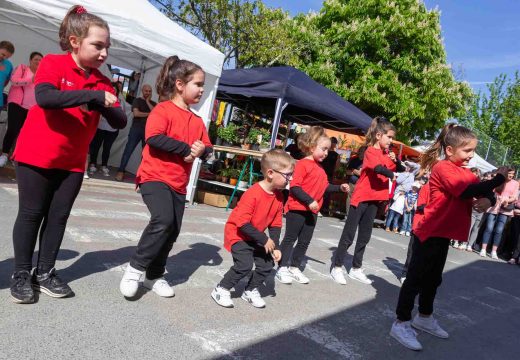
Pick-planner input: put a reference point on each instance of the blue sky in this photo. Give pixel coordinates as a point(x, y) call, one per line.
point(481, 36)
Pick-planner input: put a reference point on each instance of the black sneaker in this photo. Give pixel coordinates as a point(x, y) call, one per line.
point(21, 287)
point(51, 284)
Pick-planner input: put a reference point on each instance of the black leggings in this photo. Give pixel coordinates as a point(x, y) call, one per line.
point(45, 197)
point(167, 209)
point(363, 217)
point(106, 138)
point(16, 116)
point(300, 227)
point(424, 276)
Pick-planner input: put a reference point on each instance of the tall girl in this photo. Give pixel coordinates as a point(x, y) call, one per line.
point(175, 137)
point(447, 216)
point(52, 148)
point(371, 189)
point(308, 186)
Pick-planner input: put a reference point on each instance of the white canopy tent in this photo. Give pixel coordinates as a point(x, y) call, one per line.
point(142, 38)
point(477, 160)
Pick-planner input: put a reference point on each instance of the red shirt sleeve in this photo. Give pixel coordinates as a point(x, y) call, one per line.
point(453, 182)
point(157, 123)
point(49, 72)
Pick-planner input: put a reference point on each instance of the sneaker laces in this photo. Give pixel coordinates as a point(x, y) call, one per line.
point(255, 293)
point(20, 278)
point(409, 331)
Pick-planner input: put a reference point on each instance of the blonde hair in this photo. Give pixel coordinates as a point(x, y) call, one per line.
point(310, 139)
point(276, 159)
point(451, 135)
point(379, 125)
point(77, 22)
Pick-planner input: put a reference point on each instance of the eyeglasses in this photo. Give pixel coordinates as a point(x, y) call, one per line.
point(287, 176)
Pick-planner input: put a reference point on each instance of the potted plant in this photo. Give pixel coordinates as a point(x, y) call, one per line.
point(225, 175)
point(243, 183)
point(233, 176)
point(228, 134)
point(258, 137)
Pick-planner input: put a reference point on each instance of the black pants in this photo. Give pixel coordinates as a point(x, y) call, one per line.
point(300, 227)
point(408, 256)
point(16, 116)
point(245, 255)
point(515, 236)
point(167, 209)
point(361, 217)
point(46, 197)
point(424, 277)
point(106, 138)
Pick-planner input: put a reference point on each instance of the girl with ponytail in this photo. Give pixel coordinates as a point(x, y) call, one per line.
point(175, 137)
point(379, 165)
point(453, 191)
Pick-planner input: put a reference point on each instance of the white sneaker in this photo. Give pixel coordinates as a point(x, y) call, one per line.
point(462, 246)
point(320, 214)
point(298, 276)
point(403, 332)
point(401, 232)
point(402, 279)
point(455, 244)
point(407, 233)
point(85, 175)
point(253, 297)
point(92, 169)
point(359, 275)
point(159, 286)
point(105, 170)
point(283, 275)
point(483, 253)
point(130, 281)
point(337, 275)
point(469, 248)
point(494, 255)
point(3, 160)
point(429, 325)
point(222, 297)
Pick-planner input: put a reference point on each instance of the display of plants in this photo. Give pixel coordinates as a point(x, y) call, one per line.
point(229, 134)
point(258, 136)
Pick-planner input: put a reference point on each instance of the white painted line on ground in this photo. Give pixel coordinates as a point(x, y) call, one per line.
point(77, 235)
point(329, 341)
point(309, 267)
point(110, 214)
point(496, 291)
point(219, 239)
point(127, 235)
point(389, 242)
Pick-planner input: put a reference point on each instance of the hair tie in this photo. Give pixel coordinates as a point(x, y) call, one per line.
point(81, 10)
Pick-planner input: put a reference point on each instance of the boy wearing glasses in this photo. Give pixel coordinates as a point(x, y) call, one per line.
point(259, 209)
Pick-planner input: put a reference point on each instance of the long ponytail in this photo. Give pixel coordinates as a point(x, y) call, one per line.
point(174, 69)
point(379, 125)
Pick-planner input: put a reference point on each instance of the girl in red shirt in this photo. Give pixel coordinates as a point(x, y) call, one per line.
point(175, 137)
point(371, 190)
point(308, 186)
point(447, 215)
point(52, 148)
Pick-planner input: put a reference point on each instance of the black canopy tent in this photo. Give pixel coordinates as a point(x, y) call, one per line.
point(286, 90)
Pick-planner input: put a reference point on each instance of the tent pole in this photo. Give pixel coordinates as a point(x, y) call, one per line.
point(280, 106)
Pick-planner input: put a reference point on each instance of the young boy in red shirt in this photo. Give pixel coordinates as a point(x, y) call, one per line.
point(260, 208)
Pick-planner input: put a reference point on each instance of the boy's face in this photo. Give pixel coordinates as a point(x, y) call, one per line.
point(280, 178)
point(414, 189)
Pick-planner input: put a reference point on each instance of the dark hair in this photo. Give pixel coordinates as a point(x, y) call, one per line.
point(451, 135)
point(379, 125)
point(174, 69)
point(310, 139)
point(7, 45)
point(33, 54)
point(77, 22)
point(333, 140)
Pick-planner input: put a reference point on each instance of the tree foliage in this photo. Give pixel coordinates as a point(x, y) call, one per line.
point(497, 114)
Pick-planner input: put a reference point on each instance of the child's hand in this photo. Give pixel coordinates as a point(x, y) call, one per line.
point(110, 99)
point(197, 149)
point(314, 206)
point(345, 188)
point(189, 159)
point(481, 205)
point(277, 255)
point(269, 246)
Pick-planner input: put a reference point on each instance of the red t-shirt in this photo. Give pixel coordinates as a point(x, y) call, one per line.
point(310, 176)
point(256, 206)
point(447, 215)
point(180, 124)
point(60, 138)
point(372, 186)
point(422, 199)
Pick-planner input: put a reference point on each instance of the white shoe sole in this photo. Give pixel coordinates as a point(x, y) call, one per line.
point(418, 327)
point(40, 289)
point(361, 281)
point(299, 281)
point(404, 344)
point(289, 282)
point(338, 282)
point(213, 296)
point(249, 301)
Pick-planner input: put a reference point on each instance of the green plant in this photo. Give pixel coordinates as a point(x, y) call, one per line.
point(229, 133)
point(234, 173)
point(258, 136)
point(224, 172)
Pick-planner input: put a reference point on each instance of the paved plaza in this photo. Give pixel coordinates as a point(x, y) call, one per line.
point(478, 302)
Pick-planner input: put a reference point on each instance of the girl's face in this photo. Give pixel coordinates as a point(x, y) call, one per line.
point(35, 62)
point(4, 54)
point(191, 92)
point(320, 152)
point(510, 175)
point(92, 51)
point(384, 140)
point(463, 154)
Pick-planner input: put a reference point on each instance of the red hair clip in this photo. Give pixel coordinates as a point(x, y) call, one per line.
point(81, 10)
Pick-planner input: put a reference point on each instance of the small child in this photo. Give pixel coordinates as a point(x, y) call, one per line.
point(410, 205)
point(395, 212)
point(260, 208)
